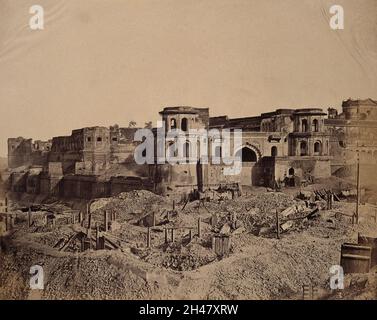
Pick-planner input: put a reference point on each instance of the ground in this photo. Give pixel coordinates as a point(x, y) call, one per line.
point(258, 266)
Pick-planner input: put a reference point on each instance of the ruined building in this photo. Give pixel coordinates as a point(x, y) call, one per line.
point(275, 145)
point(288, 146)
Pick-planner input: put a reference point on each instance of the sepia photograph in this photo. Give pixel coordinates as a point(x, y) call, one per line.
point(188, 150)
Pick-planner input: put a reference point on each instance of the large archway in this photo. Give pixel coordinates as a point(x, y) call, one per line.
point(247, 155)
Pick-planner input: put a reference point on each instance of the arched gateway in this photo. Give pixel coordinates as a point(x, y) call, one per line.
point(249, 155)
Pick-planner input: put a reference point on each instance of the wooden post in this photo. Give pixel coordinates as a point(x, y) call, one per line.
point(172, 234)
point(89, 237)
point(306, 292)
point(97, 237)
point(106, 219)
point(80, 216)
point(199, 228)
point(168, 215)
point(166, 235)
point(89, 221)
point(6, 204)
point(154, 219)
point(73, 218)
point(82, 244)
point(190, 235)
point(6, 223)
point(149, 238)
point(173, 204)
point(29, 217)
point(314, 293)
point(277, 225)
point(358, 187)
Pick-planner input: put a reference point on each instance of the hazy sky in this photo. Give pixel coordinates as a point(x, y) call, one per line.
point(101, 62)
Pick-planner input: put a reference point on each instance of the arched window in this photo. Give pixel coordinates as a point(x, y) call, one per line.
point(99, 139)
point(304, 125)
point(171, 150)
point(315, 125)
point(303, 148)
point(184, 124)
point(186, 149)
point(173, 124)
point(218, 151)
point(274, 151)
point(291, 172)
point(318, 148)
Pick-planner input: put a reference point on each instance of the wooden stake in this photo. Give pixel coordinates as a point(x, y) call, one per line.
point(29, 217)
point(149, 238)
point(97, 237)
point(89, 221)
point(106, 218)
point(166, 235)
point(172, 235)
point(358, 187)
point(277, 225)
point(199, 228)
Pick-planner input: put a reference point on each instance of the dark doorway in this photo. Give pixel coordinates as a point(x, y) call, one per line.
point(184, 125)
point(303, 148)
point(247, 155)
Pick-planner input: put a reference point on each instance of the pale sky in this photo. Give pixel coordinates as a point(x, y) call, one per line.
point(101, 62)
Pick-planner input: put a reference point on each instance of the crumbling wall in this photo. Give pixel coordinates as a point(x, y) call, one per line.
point(84, 187)
point(303, 168)
point(23, 152)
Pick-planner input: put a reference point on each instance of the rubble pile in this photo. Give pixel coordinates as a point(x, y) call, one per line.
point(177, 256)
point(129, 205)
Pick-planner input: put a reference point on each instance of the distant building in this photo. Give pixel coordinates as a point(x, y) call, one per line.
point(294, 144)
